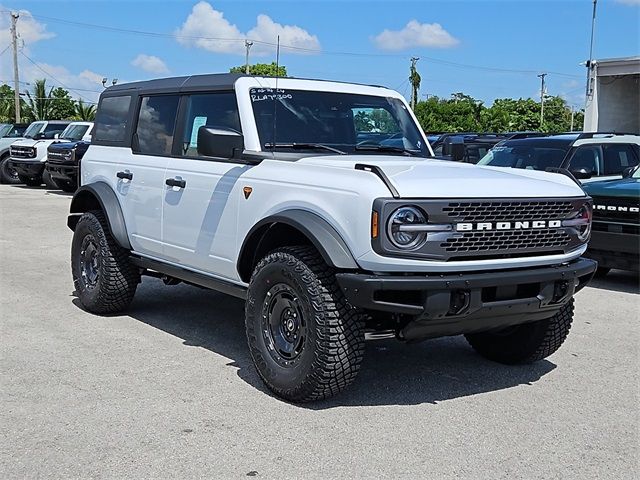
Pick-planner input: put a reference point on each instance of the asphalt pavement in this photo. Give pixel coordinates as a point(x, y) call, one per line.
point(169, 391)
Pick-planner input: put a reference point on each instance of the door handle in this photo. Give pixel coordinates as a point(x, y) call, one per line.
point(125, 175)
point(176, 182)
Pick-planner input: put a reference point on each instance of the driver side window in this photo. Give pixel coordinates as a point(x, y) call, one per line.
point(588, 158)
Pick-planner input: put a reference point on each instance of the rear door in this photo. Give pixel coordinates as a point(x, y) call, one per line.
point(141, 178)
point(199, 205)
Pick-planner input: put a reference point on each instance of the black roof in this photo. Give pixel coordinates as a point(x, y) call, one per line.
point(211, 81)
point(216, 81)
point(564, 140)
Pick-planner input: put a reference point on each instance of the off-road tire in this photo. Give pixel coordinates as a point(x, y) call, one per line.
point(48, 181)
point(6, 175)
point(525, 343)
point(30, 182)
point(117, 278)
point(66, 185)
point(334, 343)
point(601, 272)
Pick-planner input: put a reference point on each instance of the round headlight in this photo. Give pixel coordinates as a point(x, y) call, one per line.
point(402, 229)
point(584, 229)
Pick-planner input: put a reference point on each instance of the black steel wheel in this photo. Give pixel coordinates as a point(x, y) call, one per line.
point(8, 174)
point(305, 340)
point(104, 278)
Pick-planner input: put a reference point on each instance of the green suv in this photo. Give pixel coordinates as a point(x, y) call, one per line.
point(615, 238)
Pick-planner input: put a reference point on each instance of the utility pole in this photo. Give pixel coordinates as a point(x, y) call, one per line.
point(247, 45)
point(16, 78)
point(572, 115)
point(541, 76)
point(414, 78)
point(590, 61)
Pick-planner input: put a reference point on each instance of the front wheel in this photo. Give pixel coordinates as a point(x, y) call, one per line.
point(305, 340)
point(48, 181)
point(30, 182)
point(8, 174)
point(602, 272)
point(524, 343)
point(104, 278)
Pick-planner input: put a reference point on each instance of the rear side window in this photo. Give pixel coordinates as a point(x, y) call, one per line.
point(111, 119)
point(214, 110)
point(156, 124)
point(618, 157)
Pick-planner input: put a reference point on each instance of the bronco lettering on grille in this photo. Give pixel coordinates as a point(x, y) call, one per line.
point(524, 225)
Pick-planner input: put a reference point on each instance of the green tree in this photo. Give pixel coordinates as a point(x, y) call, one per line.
point(414, 79)
point(39, 101)
point(63, 107)
point(85, 111)
point(7, 105)
point(262, 69)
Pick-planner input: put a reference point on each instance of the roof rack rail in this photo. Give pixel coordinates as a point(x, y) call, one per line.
point(593, 134)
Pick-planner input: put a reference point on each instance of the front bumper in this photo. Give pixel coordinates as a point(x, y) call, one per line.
point(27, 168)
point(615, 250)
point(451, 304)
point(59, 171)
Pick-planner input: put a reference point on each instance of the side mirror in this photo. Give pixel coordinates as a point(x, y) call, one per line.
point(627, 172)
point(454, 147)
point(582, 173)
point(56, 136)
point(38, 136)
point(219, 142)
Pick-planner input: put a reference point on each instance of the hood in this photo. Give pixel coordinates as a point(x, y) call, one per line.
point(626, 187)
point(67, 145)
point(427, 178)
point(28, 142)
point(5, 142)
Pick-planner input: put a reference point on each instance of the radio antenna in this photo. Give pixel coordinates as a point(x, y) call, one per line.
point(275, 97)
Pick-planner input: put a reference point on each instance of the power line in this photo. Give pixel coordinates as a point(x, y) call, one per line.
point(295, 48)
point(52, 77)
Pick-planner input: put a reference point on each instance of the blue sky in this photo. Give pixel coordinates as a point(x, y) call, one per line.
point(460, 43)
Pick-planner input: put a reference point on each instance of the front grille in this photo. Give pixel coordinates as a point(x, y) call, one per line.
point(56, 157)
point(616, 209)
point(23, 152)
point(503, 241)
point(508, 211)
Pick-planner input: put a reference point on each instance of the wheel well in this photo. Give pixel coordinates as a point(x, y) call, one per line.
point(265, 239)
point(85, 201)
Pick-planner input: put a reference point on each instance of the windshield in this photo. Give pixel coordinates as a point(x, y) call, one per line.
point(352, 123)
point(34, 129)
point(74, 132)
point(636, 173)
point(4, 129)
point(524, 156)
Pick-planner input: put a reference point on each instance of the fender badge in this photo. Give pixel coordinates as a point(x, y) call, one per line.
point(247, 192)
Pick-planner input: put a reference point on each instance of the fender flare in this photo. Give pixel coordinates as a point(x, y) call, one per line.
point(85, 199)
point(322, 235)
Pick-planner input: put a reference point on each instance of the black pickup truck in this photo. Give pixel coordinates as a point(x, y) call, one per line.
point(63, 163)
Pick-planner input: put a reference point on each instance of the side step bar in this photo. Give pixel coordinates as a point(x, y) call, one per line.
point(189, 276)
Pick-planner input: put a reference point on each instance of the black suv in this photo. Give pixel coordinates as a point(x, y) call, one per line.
point(63, 163)
point(588, 156)
point(471, 147)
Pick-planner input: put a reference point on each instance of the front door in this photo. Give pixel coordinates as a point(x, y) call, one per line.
point(201, 194)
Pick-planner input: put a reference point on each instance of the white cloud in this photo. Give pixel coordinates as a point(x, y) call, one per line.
point(86, 84)
point(629, 2)
point(221, 36)
point(29, 29)
point(150, 63)
point(415, 34)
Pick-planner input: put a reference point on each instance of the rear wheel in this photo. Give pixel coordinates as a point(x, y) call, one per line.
point(306, 341)
point(602, 272)
point(525, 343)
point(8, 174)
point(104, 278)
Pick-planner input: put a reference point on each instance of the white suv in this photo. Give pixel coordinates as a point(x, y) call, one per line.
point(317, 203)
point(28, 156)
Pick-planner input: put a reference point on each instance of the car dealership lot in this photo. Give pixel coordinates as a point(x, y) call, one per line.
point(170, 391)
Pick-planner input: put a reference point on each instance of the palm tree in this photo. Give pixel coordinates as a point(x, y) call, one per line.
point(85, 111)
point(39, 105)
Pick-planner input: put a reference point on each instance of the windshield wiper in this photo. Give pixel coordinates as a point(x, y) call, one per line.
point(310, 146)
point(388, 148)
